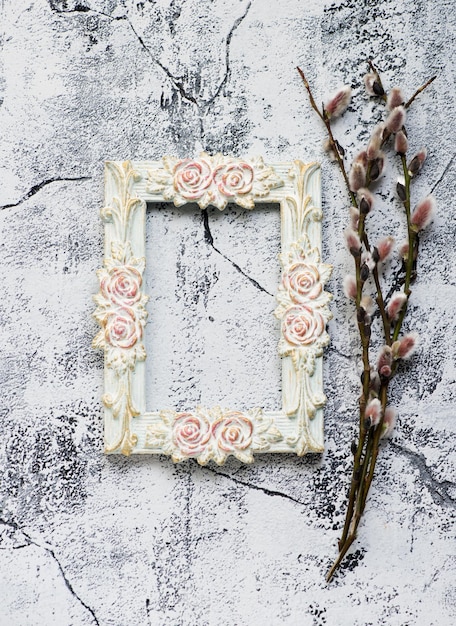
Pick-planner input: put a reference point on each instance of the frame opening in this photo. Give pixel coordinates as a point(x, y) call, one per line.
point(212, 279)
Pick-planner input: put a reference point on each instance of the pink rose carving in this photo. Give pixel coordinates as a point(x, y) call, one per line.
point(234, 179)
point(191, 433)
point(122, 286)
point(233, 431)
point(192, 178)
point(302, 281)
point(122, 329)
point(302, 325)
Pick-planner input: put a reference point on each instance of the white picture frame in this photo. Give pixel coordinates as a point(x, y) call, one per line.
point(212, 433)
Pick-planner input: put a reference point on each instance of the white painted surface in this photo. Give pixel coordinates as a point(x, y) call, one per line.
point(93, 540)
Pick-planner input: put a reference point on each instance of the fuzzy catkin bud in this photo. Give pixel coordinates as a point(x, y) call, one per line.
point(401, 189)
point(417, 162)
point(374, 411)
point(368, 260)
point(354, 217)
point(401, 142)
point(366, 200)
point(377, 166)
point(350, 289)
point(361, 315)
point(395, 119)
point(395, 98)
point(375, 142)
point(353, 241)
point(339, 148)
point(357, 176)
point(404, 249)
point(339, 102)
point(395, 305)
point(405, 347)
point(385, 361)
point(373, 85)
point(369, 83)
point(389, 422)
point(364, 272)
point(329, 149)
point(423, 214)
point(361, 158)
point(374, 381)
point(385, 247)
point(367, 304)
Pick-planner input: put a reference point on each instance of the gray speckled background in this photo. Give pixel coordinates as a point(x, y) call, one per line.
point(87, 539)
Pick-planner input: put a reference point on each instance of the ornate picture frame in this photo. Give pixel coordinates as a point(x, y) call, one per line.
point(212, 433)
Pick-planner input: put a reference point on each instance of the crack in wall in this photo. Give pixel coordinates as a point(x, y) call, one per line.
point(36, 188)
point(209, 239)
point(268, 492)
point(412, 527)
point(227, 55)
point(432, 580)
point(439, 490)
point(50, 551)
point(172, 78)
point(349, 357)
point(201, 105)
point(16, 529)
point(203, 111)
point(449, 164)
point(148, 611)
point(84, 9)
point(81, 8)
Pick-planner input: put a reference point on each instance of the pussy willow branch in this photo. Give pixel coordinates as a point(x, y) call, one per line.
point(357, 499)
point(363, 472)
point(366, 452)
point(335, 146)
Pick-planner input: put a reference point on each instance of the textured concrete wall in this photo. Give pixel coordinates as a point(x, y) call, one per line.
point(112, 541)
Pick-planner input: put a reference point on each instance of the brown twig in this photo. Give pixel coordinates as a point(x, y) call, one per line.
point(419, 90)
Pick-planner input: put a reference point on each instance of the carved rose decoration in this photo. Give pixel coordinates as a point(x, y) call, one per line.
point(303, 305)
point(121, 309)
point(122, 329)
point(191, 432)
point(303, 282)
point(233, 431)
point(215, 434)
point(122, 285)
point(234, 179)
point(213, 180)
point(302, 325)
point(192, 178)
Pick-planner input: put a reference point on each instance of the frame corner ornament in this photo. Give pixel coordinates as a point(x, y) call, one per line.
point(303, 308)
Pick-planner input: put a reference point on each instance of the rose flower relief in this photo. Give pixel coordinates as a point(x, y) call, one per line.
point(303, 305)
point(213, 180)
point(214, 434)
point(121, 309)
